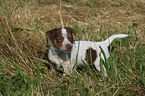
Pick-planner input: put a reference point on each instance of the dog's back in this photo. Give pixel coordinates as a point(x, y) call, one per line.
point(82, 46)
point(89, 52)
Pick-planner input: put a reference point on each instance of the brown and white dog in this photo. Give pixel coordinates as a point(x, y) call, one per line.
point(66, 52)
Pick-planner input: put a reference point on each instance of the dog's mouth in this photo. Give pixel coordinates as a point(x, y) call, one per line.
point(67, 50)
point(61, 52)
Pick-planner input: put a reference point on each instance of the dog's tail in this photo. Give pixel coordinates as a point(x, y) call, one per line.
point(111, 38)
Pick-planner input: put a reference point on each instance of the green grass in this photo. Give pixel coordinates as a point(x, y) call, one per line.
point(24, 69)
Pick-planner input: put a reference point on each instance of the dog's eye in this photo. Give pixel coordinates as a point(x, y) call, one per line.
point(60, 40)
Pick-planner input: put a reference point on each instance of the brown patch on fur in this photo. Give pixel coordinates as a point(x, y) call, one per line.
point(56, 36)
point(91, 55)
point(56, 44)
point(71, 30)
point(50, 34)
point(57, 41)
point(70, 38)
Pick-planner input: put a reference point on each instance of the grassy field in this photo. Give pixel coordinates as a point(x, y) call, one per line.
point(24, 69)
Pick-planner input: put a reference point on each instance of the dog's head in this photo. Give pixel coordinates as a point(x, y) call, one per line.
point(62, 38)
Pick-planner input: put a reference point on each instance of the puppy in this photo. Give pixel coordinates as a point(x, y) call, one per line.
point(66, 52)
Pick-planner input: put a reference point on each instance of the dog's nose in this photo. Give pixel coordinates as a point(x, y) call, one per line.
point(68, 47)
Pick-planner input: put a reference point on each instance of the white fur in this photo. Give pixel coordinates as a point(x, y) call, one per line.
point(80, 47)
point(66, 41)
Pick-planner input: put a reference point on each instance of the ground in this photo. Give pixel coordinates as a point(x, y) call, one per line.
point(24, 69)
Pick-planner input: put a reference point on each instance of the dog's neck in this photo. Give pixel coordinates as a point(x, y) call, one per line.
point(63, 55)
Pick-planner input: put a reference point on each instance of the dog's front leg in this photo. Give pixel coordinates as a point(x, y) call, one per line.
point(67, 68)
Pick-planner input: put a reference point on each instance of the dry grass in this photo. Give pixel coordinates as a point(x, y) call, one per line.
point(23, 45)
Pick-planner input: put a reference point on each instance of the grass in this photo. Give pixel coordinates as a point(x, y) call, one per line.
point(24, 69)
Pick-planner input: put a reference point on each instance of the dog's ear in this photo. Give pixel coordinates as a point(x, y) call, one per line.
point(72, 30)
point(50, 34)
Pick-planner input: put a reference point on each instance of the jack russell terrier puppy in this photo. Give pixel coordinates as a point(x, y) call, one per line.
point(66, 52)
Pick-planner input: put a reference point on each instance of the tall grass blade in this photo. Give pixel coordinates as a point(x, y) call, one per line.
point(19, 71)
point(91, 93)
point(1, 4)
point(102, 51)
point(75, 66)
point(90, 71)
point(142, 73)
point(103, 62)
point(39, 2)
point(101, 37)
point(39, 59)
